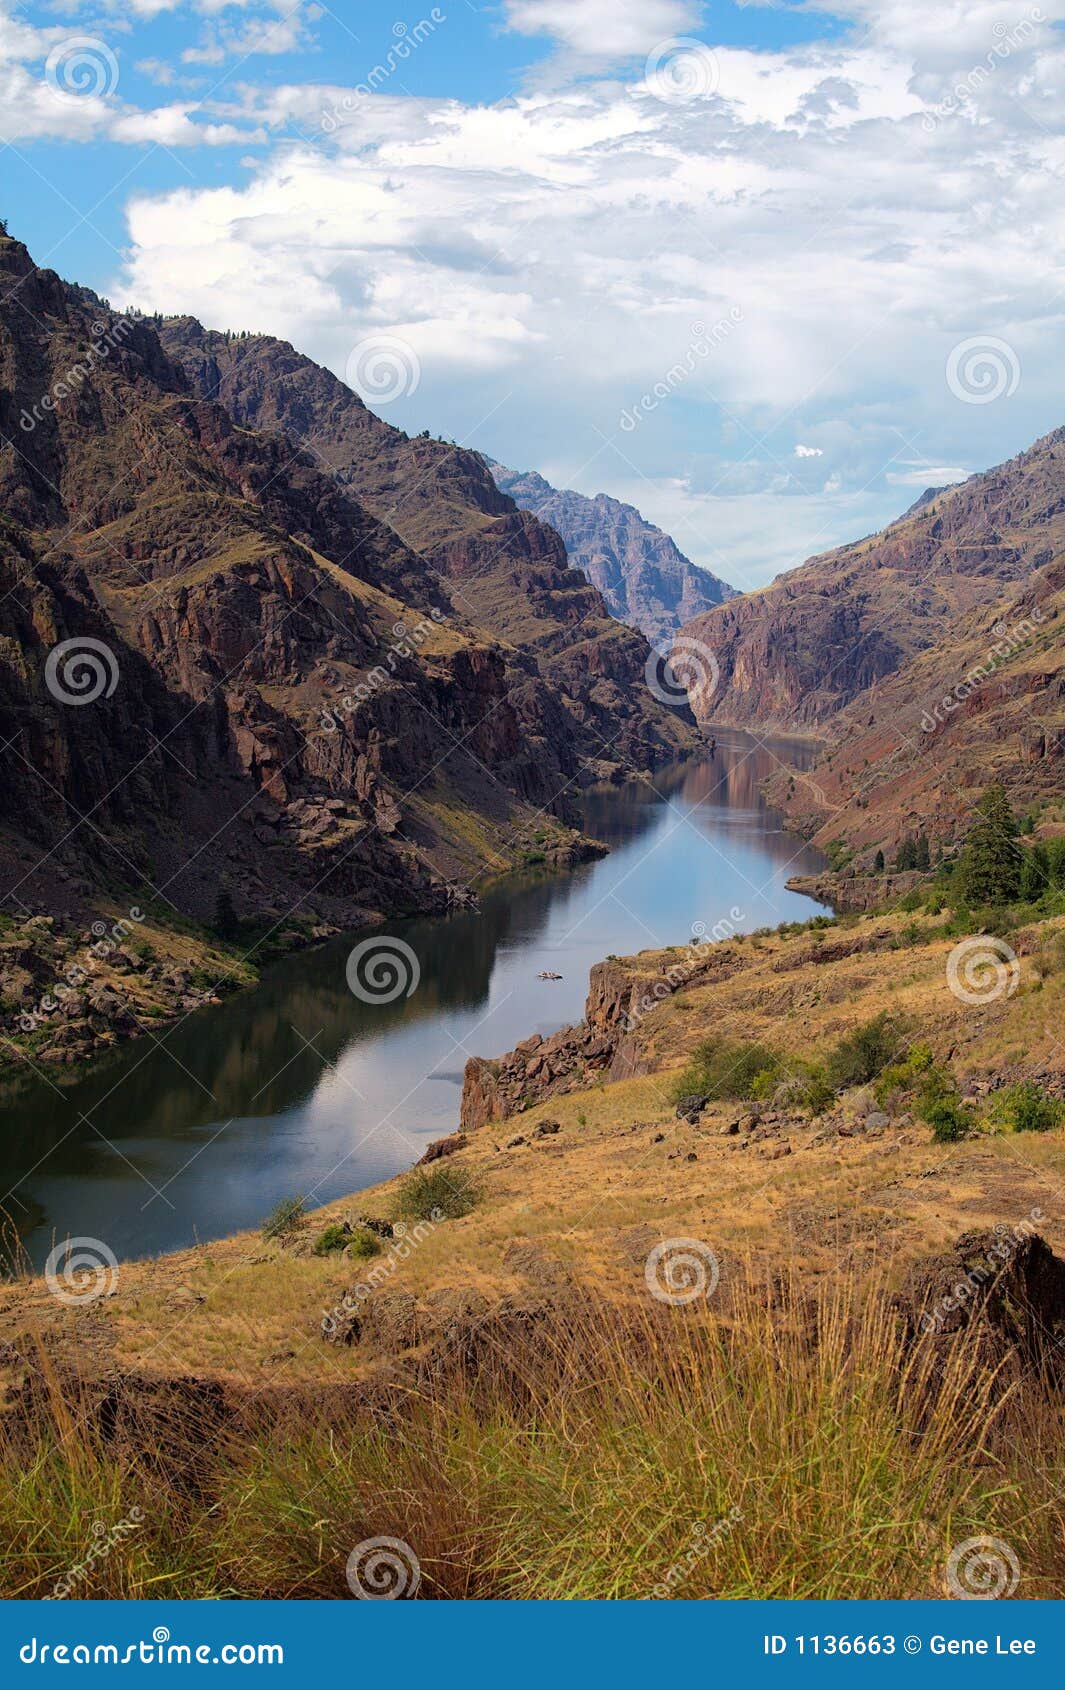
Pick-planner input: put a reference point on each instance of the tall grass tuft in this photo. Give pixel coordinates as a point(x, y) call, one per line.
point(773, 1444)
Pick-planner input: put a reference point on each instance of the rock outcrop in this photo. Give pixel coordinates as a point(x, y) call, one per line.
point(1004, 1287)
point(604, 1046)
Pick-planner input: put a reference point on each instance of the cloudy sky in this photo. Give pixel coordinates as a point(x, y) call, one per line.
point(766, 270)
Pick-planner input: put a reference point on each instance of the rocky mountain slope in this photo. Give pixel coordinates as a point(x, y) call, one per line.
point(218, 663)
point(792, 656)
point(639, 569)
point(913, 753)
point(500, 568)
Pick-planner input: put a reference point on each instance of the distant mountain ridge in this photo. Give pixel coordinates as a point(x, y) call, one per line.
point(929, 657)
point(794, 654)
point(641, 572)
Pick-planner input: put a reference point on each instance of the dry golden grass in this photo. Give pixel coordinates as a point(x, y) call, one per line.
point(592, 1198)
point(792, 1446)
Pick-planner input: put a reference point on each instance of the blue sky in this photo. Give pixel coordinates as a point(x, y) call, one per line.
point(72, 197)
point(766, 271)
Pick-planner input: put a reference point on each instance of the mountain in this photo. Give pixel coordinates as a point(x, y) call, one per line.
point(913, 753)
point(929, 658)
point(640, 571)
point(501, 569)
point(792, 656)
point(217, 660)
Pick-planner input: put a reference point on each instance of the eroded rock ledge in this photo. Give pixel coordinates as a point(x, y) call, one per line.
point(604, 1046)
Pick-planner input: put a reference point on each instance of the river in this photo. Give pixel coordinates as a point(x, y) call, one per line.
point(298, 1087)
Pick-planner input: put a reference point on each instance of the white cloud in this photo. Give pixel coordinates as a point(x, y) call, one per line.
point(928, 475)
point(549, 257)
point(64, 84)
point(603, 29)
point(559, 257)
point(265, 35)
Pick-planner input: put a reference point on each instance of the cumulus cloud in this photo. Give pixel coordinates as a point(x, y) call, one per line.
point(65, 83)
point(791, 248)
point(603, 28)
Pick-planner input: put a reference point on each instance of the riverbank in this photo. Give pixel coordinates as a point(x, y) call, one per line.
point(73, 989)
point(553, 1259)
point(314, 1083)
point(574, 1184)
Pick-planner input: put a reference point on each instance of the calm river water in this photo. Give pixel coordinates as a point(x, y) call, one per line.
point(298, 1087)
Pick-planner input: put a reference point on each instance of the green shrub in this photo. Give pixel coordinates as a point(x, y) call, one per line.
point(723, 1069)
point(804, 1086)
point(332, 1239)
point(1026, 1108)
point(360, 1243)
point(860, 1056)
point(285, 1219)
point(949, 1118)
point(435, 1194)
point(939, 1104)
point(903, 1076)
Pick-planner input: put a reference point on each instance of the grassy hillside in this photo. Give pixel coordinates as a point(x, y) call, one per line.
point(476, 1358)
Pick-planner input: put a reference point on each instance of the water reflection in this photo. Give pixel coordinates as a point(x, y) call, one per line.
point(299, 1087)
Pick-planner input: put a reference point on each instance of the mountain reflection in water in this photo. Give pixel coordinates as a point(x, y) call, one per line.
point(298, 1087)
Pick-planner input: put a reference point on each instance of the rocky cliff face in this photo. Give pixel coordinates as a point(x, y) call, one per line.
point(791, 657)
point(216, 662)
point(607, 1045)
point(914, 753)
point(642, 574)
point(500, 569)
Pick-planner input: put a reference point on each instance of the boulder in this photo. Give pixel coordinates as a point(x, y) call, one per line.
point(1004, 1284)
point(691, 1107)
point(442, 1147)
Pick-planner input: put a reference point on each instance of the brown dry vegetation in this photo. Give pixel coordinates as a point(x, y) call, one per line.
point(517, 1407)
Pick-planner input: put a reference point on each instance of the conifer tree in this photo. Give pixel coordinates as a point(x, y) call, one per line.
point(991, 861)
